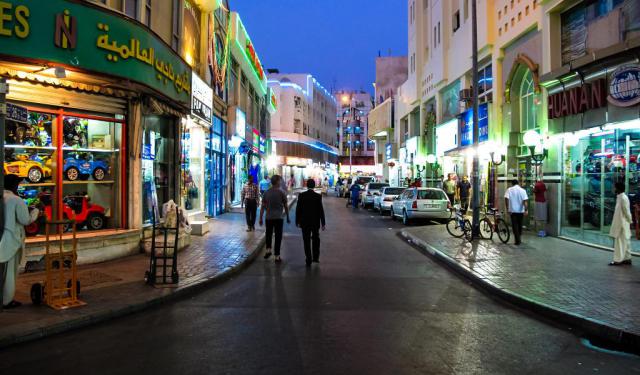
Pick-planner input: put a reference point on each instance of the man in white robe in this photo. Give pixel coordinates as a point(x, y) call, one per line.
point(621, 228)
point(16, 216)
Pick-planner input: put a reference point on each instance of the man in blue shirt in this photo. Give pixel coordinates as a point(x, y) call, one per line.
point(264, 185)
point(355, 195)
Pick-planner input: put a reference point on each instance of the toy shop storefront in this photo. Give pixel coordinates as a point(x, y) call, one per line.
point(68, 127)
point(596, 123)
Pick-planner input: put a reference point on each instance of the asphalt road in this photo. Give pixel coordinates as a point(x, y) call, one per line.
point(374, 305)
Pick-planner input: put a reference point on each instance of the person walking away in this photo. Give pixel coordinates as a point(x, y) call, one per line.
point(516, 201)
point(249, 199)
point(264, 185)
point(16, 217)
point(274, 203)
point(339, 187)
point(449, 187)
point(310, 218)
point(621, 228)
point(355, 195)
point(540, 213)
point(291, 184)
point(463, 192)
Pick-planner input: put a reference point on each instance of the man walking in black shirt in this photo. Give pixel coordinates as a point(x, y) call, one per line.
point(310, 217)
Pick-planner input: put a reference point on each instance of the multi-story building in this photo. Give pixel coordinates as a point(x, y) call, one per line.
point(302, 130)
point(356, 149)
point(250, 104)
point(391, 72)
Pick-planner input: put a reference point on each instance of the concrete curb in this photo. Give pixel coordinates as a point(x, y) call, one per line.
point(205, 281)
point(591, 328)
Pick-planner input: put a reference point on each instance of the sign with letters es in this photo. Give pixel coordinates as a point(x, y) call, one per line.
point(83, 36)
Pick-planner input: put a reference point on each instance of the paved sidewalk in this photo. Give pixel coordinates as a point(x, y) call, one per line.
point(117, 288)
point(562, 280)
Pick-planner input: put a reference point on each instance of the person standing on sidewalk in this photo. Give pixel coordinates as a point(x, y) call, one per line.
point(463, 192)
point(621, 228)
point(309, 218)
point(449, 187)
point(274, 202)
point(291, 184)
point(16, 216)
point(249, 199)
point(264, 185)
point(516, 201)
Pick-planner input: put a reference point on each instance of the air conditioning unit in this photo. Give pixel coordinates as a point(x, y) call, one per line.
point(465, 95)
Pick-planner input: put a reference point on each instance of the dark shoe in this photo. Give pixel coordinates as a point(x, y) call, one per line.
point(308, 263)
point(627, 262)
point(615, 263)
point(267, 255)
point(12, 305)
point(316, 260)
point(278, 259)
point(248, 229)
point(518, 243)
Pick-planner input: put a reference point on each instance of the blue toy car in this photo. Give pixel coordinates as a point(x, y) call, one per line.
point(76, 167)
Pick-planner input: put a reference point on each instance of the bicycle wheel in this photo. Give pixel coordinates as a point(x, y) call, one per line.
point(468, 231)
point(454, 228)
point(486, 229)
point(503, 230)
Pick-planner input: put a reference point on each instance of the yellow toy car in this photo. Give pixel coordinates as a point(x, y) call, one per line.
point(34, 168)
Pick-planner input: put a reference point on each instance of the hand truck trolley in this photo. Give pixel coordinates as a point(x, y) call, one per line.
point(61, 287)
point(163, 262)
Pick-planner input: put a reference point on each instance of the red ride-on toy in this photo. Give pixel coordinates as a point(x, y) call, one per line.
point(76, 207)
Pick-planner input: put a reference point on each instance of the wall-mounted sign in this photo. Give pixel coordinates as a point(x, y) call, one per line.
point(624, 86)
point(388, 150)
point(263, 145)
point(256, 140)
point(241, 124)
point(578, 99)
point(201, 98)
point(17, 113)
point(446, 137)
point(255, 61)
point(245, 54)
point(466, 125)
point(87, 37)
point(274, 101)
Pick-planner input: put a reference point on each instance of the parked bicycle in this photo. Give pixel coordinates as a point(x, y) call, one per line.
point(492, 222)
point(458, 226)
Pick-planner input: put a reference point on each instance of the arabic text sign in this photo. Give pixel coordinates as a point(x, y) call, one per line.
point(88, 37)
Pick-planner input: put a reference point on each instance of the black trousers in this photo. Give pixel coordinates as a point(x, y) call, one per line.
point(452, 198)
point(250, 209)
point(274, 225)
point(311, 239)
point(516, 223)
point(464, 204)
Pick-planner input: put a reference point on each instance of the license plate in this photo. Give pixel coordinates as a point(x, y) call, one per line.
point(431, 206)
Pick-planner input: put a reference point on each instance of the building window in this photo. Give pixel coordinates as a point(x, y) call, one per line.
point(175, 37)
point(131, 8)
point(456, 21)
point(466, 10)
point(485, 82)
point(528, 108)
point(147, 13)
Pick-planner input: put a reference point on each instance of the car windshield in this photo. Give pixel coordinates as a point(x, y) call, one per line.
point(431, 194)
point(377, 186)
point(393, 191)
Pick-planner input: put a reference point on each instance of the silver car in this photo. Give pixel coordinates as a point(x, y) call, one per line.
point(421, 203)
point(370, 191)
point(383, 202)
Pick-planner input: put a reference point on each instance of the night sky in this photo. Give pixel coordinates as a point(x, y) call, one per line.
point(334, 40)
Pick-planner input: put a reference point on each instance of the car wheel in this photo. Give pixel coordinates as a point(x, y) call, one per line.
point(405, 218)
point(72, 174)
point(34, 175)
point(99, 174)
point(96, 221)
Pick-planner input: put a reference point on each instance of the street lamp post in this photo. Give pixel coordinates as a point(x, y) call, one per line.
point(499, 156)
point(476, 162)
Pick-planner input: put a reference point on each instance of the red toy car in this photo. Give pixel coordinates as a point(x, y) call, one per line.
point(77, 207)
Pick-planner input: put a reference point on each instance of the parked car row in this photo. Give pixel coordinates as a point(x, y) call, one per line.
point(407, 204)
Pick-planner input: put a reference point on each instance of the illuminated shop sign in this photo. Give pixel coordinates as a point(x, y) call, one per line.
point(263, 145)
point(577, 100)
point(256, 141)
point(388, 149)
point(466, 125)
point(201, 98)
point(253, 58)
point(446, 137)
point(241, 124)
point(624, 86)
point(274, 101)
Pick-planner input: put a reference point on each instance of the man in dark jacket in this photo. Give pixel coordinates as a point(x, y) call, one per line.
point(310, 217)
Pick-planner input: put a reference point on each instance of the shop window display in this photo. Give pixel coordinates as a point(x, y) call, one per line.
point(591, 169)
point(69, 165)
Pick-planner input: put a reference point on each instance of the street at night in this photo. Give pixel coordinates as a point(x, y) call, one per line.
point(373, 305)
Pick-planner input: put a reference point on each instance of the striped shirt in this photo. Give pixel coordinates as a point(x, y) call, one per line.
point(250, 192)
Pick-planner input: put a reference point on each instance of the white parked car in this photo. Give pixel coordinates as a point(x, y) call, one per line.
point(421, 203)
point(370, 191)
point(383, 202)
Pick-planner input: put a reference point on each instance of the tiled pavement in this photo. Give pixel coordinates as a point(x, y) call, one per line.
point(566, 276)
point(117, 288)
